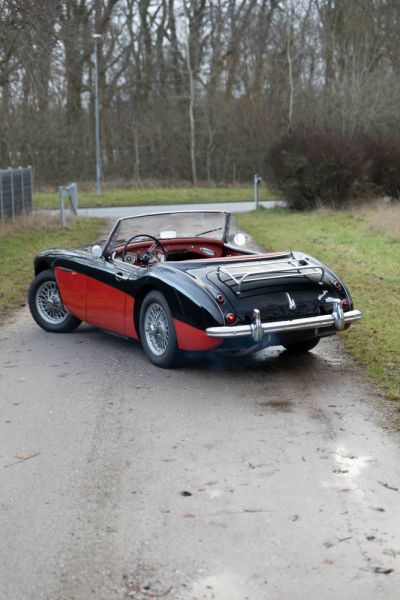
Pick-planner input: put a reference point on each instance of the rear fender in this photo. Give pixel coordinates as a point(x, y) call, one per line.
point(330, 278)
point(193, 309)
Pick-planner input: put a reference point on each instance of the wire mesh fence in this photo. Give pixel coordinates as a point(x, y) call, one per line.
point(16, 191)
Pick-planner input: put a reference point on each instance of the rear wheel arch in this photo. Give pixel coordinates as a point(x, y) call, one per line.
point(158, 334)
point(169, 294)
point(179, 303)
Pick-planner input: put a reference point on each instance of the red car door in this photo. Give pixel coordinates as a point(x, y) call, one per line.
point(105, 300)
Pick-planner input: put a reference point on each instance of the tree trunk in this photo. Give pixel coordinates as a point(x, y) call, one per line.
point(191, 102)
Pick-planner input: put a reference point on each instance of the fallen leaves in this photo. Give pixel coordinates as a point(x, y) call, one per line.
point(23, 458)
point(382, 570)
point(388, 487)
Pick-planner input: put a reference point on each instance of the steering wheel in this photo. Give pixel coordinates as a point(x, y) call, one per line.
point(148, 255)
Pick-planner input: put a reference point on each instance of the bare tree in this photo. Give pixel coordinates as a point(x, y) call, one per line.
point(190, 89)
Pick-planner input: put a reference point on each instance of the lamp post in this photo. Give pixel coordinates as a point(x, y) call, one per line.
point(96, 38)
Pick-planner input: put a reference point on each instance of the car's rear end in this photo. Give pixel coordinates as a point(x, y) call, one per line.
point(286, 299)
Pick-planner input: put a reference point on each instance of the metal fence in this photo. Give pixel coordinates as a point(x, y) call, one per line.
point(16, 191)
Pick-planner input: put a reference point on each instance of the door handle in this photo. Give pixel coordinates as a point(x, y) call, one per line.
point(121, 276)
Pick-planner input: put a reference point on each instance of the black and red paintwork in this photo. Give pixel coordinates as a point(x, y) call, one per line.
point(108, 292)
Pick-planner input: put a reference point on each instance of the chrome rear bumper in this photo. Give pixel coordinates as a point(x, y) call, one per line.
point(257, 329)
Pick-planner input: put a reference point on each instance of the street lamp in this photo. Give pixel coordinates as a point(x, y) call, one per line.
point(96, 37)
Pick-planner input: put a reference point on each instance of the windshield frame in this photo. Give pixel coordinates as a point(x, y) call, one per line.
point(227, 214)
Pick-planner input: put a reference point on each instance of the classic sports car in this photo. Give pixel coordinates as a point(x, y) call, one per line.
point(183, 282)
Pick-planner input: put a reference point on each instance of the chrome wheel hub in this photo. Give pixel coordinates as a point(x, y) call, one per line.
point(49, 305)
point(156, 329)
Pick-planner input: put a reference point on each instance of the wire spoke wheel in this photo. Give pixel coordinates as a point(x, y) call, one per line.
point(156, 328)
point(157, 331)
point(49, 305)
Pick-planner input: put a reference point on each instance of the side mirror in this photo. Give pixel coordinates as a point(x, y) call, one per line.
point(97, 250)
point(239, 239)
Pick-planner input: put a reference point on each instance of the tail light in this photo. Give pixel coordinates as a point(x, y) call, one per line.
point(231, 318)
point(345, 304)
point(337, 285)
point(220, 298)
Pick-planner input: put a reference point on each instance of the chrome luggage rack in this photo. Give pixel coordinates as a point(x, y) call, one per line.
point(282, 272)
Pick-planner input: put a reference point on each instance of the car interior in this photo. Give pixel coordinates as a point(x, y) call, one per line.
point(146, 252)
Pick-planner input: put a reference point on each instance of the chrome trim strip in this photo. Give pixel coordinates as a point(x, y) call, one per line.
point(277, 326)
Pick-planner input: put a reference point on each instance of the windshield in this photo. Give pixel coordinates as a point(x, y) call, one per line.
point(172, 225)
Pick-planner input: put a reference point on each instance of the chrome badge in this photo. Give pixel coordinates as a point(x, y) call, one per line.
point(292, 303)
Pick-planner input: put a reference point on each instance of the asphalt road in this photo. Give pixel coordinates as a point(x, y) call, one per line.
point(267, 478)
point(127, 211)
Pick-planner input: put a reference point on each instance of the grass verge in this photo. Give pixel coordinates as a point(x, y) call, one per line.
point(19, 246)
point(156, 195)
point(352, 244)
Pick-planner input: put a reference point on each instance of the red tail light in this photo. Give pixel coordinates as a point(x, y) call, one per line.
point(345, 304)
point(220, 298)
point(338, 285)
point(231, 318)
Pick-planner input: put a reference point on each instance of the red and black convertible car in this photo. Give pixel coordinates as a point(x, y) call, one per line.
point(182, 282)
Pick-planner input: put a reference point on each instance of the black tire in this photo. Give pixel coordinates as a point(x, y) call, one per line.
point(46, 306)
point(159, 345)
point(301, 347)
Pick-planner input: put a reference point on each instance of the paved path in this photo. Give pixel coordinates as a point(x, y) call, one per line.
point(126, 211)
point(266, 478)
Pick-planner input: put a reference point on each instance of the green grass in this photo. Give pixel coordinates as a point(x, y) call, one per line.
point(156, 195)
point(368, 262)
point(18, 250)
